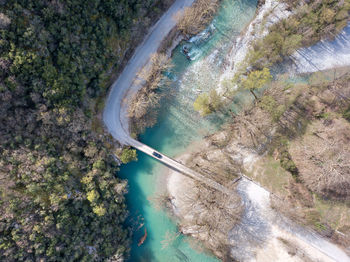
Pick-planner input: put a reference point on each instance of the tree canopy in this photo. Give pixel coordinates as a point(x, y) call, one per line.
point(202, 105)
point(60, 197)
point(256, 80)
point(128, 155)
point(206, 103)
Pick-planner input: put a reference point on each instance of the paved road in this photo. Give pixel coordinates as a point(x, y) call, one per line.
point(116, 121)
point(177, 166)
point(115, 112)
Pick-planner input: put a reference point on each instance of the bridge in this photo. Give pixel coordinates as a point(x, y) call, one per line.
point(177, 166)
point(116, 121)
point(115, 114)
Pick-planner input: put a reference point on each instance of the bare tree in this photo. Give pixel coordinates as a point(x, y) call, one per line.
point(322, 157)
point(194, 19)
point(142, 107)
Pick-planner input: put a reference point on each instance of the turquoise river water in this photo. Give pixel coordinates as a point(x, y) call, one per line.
point(179, 126)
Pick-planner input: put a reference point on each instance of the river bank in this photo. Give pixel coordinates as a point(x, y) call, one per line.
point(139, 30)
point(250, 154)
point(269, 13)
point(143, 105)
point(178, 126)
point(261, 151)
point(115, 112)
point(190, 84)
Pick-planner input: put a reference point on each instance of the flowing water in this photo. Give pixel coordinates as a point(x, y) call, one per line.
point(325, 54)
point(198, 64)
point(179, 126)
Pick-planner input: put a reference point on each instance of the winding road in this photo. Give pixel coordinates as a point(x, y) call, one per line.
point(116, 120)
point(115, 113)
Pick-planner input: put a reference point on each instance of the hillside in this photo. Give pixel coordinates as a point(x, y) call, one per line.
point(60, 198)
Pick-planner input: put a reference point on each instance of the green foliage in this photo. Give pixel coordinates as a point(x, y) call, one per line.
point(128, 155)
point(202, 105)
point(309, 24)
point(73, 39)
point(206, 104)
point(287, 163)
point(281, 144)
point(256, 80)
point(346, 114)
point(92, 196)
point(99, 210)
point(269, 104)
point(215, 100)
point(291, 44)
point(60, 199)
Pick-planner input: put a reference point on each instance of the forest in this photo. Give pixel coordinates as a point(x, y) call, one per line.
point(60, 197)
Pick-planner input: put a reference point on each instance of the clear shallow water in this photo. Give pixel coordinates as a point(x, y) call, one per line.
point(325, 54)
point(179, 126)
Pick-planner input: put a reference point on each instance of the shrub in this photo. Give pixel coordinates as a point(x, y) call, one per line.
point(287, 163)
point(269, 104)
point(346, 114)
point(128, 155)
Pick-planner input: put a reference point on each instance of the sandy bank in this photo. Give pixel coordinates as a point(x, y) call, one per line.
point(203, 213)
point(259, 233)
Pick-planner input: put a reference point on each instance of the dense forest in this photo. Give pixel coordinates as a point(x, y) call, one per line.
point(59, 196)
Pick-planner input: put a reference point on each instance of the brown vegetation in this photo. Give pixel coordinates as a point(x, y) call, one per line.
point(215, 164)
point(207, 214)
point(213, 214)
point(142, 107)
point(195, 18)
point(322, 156)
point(303, 142)
point(311, 140)
point(312, 117)
point(145, 103)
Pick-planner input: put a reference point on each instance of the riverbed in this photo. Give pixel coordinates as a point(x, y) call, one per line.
point(178, 127)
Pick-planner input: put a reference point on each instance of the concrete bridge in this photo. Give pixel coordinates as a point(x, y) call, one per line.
point(115, 114)
point(116, 121)
point(177, 166)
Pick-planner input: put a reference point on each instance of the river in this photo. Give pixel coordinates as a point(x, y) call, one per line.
point(179, 126)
